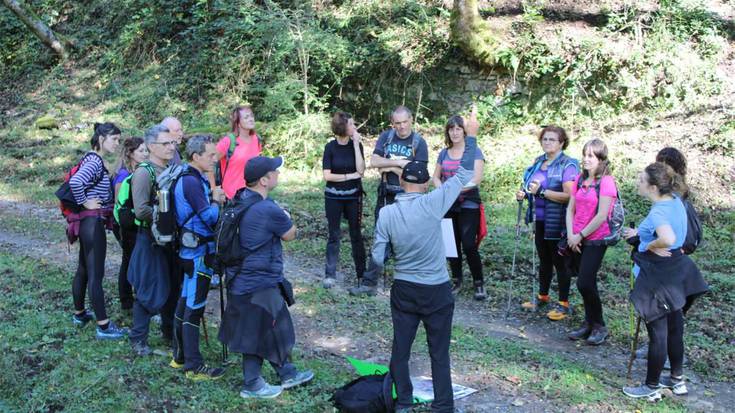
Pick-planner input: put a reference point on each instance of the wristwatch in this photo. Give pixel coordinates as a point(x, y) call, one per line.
point(542, 193)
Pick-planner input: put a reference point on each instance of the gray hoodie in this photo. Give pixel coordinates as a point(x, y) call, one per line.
point(412, 225)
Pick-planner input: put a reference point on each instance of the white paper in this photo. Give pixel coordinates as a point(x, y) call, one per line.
point(423, 389)
point(450, 248)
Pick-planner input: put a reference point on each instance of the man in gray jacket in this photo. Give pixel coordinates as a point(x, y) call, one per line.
point(421, 290)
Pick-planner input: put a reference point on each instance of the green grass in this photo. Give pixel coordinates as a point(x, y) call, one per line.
point(49, 364)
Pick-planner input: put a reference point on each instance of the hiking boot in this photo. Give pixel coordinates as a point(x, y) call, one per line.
point(541, 301)
point(559, 312)
point(328, 282)
point(677, 385)
point(363, 289)
point(266, 392)
point(643, 391)
point(81, 320)
point(176, 364)
point(112, 332)
point(141, 348)
point(300, 378)
point(597, 336)
point(480, 294)
point(581, 333)
point(204, 372)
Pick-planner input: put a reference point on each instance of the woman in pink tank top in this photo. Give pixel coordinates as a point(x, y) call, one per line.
point(233, 158)
point(590, 206)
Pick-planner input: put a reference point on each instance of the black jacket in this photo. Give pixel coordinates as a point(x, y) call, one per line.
point(665, 284)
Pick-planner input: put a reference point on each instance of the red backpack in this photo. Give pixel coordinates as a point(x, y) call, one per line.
point(67, 204)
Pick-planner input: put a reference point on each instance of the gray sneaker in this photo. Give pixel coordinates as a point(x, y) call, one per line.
point(300, 378)
point(266, 392)
point(643, 391)
point(677, 386)
point(364, 290)
point(328, 282)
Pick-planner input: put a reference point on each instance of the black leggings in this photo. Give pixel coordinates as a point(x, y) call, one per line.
point(549, 259)
point(586, 265)
point(91, 268)
point(465, 224)
point(127, 242)
point(352, 210)
point(666, 337)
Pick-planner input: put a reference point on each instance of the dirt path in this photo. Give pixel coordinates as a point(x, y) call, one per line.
point(331, 337)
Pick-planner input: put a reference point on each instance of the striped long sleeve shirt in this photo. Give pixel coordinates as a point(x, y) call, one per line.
point(92, 181)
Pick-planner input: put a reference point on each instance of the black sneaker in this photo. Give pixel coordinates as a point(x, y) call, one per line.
point(597, 336)
point(204, 372)
point(81, 320)
point(581, 333)
point(678, 386)
point(141, 348)
point(369, 290)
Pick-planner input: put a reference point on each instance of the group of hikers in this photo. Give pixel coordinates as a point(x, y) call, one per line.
point(572, 211)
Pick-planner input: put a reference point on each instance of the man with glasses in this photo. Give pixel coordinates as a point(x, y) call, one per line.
point(150, 269)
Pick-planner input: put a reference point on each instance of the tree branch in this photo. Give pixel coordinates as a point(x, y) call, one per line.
point(38, 28)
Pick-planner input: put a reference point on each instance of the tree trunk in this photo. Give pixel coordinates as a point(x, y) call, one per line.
point(473, 34)
point(38, 28)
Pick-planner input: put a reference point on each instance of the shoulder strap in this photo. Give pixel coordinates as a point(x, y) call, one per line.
point(414, 144)
point(233, 144)
point(389, 140)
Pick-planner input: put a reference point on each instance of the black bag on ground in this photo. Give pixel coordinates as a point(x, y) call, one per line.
point(228, 252)
point(694, 229)
point(366, 394)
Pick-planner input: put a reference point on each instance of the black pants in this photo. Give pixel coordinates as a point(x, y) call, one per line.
point(91, 267)
point(176, 277)
point(351, 209)
point(127, 243)
point(465, 222)
point(372, 273)
point(586, 266)
point(189, 312)
point(666, 337)
point(549, 259)
point(411, 303)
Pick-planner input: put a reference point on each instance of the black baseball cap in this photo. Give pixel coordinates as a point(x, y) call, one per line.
point(258, 166)
point(415, 172)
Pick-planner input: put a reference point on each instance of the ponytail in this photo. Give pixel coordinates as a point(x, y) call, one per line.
point(665, 179)
point(102, 130)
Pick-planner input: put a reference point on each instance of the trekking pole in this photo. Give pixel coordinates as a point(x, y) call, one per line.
point(515, 251)
point(633, 347)
point(534, 294)
point(222, 314)
point(204, 327)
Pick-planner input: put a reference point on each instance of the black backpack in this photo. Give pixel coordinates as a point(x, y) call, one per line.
point(366, 394)
point(228, 252)
point(694, 229)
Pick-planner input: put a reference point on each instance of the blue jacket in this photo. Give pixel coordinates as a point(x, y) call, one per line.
point(554, 212)
point(194, 211)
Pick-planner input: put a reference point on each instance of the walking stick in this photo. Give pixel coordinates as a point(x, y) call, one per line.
point(515, 251)
point(204, 327)
point(633, 347)
point(534, 294)
point(222, 314)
